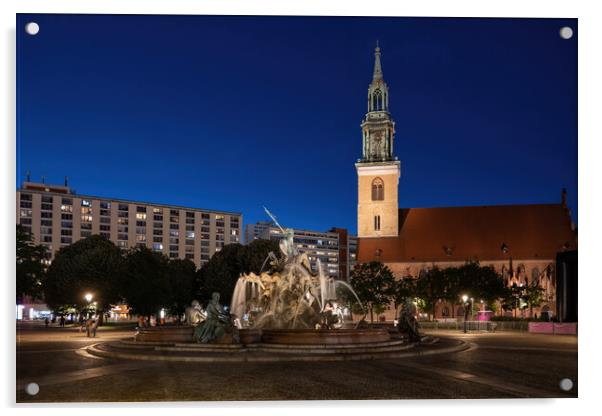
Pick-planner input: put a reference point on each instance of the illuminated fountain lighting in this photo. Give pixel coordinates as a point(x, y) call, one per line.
point(293, 297)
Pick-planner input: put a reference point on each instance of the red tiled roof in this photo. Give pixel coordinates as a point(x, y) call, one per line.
point(474, 233)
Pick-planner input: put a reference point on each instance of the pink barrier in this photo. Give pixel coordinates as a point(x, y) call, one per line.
point(565, 329)
point(541, 327)
point(553, 328)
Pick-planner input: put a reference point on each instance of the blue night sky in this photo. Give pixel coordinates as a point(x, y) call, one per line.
point(234, 113)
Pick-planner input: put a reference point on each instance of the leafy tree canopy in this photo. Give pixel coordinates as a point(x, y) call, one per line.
point(222, 271)
point(374, 284)
point(146, 285)
point(90, 265)
point(184, 284)
point(30, 268)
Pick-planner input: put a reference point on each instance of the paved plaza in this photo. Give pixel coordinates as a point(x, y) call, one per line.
point(496, 365)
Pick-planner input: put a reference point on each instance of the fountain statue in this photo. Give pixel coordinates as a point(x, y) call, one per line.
point(217, 323)
point(194, 314)
point(407, 322)
point(292, 296)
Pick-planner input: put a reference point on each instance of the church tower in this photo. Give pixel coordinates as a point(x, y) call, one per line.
point(378, 170)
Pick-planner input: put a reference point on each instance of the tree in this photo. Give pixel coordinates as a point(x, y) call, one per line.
point(403, 289)
point(30, 266)
point(254, 254)
point(92, 265)
point(534, 296)
point(222, 271)
point(146, 285)
point(449, 284)
point(183, 285)
point(481, 282)
point(430, 287)
point(374, 284)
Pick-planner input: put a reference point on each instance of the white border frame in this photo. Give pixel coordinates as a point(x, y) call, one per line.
point(590, 135)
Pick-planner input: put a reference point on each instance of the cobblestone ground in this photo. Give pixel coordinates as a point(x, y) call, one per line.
point(500, 365)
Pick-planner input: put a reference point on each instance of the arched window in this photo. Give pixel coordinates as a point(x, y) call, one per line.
point(378, 189)
point(535, 275)
point(377, 101)
point(521, 274)
point(377, 222)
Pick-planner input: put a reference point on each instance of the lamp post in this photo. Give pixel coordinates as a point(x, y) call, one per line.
point(472, 309)
point(88, 297)
point(464, 304)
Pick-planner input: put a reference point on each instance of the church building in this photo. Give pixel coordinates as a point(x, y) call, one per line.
point(520, 241)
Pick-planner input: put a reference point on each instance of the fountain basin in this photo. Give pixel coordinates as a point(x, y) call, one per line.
point(324, 337)
point(164, 334)
point(183, 334)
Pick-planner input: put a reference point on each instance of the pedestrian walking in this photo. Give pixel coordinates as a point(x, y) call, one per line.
point(62, 321)
point(46, 322)
point(89, 324)
point(94, 327)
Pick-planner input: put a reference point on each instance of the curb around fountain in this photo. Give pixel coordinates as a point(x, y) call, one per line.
point(245, 355)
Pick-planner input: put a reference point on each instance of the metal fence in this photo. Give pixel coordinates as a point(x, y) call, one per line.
point(489, 326)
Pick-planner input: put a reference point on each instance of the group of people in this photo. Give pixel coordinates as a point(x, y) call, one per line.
point(89, 325)
point(151, 321)
point(61, 321)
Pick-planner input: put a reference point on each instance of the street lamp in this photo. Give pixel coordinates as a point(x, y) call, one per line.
point(472, 309)
point(464, 304)
point(88, 296)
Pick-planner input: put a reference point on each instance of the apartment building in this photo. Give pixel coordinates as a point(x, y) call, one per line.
point(56, 216)
point(335, 249)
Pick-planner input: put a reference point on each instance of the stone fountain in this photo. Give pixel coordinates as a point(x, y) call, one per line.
point(292, 304)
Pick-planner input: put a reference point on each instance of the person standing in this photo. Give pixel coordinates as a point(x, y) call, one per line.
point(46, 322)
point(89, 323)
point(62, 321)
point(94, 327)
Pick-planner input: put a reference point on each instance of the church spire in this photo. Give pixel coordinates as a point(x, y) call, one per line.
point(378, 72)
point(378, 126)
